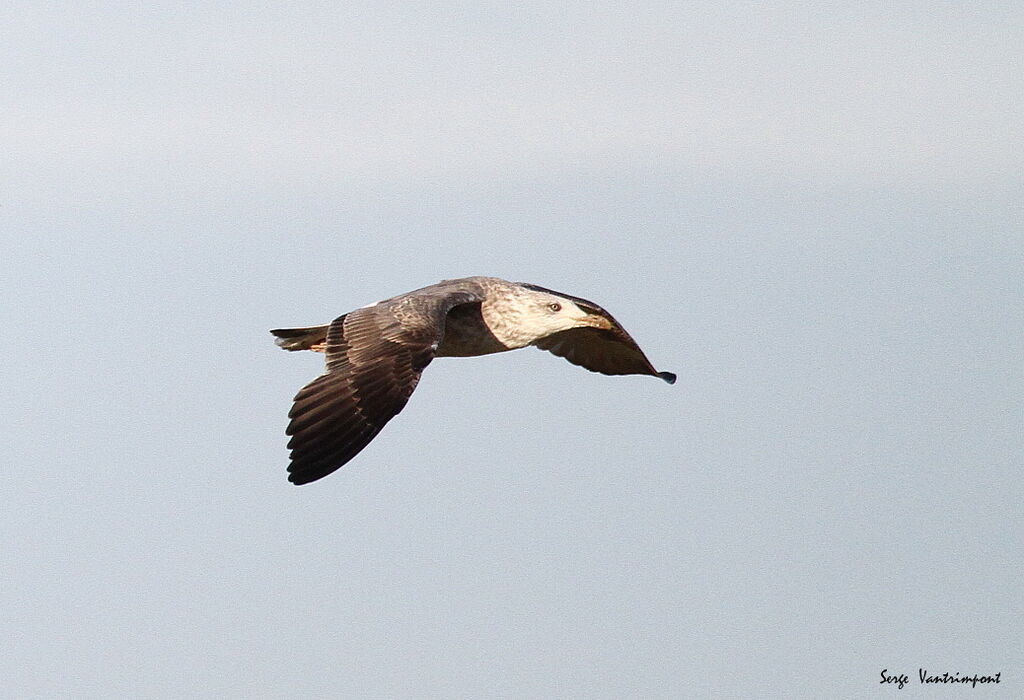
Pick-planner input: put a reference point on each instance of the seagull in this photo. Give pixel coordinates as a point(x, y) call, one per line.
point(375, 355)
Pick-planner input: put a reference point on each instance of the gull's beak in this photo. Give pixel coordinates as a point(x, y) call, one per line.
point(596, 321)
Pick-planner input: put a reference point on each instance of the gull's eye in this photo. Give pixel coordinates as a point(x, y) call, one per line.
point(555, 306)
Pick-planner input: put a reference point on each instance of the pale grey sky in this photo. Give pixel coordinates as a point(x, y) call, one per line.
point(811, 212)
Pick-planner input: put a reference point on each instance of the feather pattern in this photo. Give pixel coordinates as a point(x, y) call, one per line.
point(606, 350)
point(375, 357)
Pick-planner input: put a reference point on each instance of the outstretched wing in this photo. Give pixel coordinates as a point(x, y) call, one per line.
point(374, 359)
point(605, 350)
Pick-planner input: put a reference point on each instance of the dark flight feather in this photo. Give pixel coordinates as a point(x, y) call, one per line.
point(605, 350)
point(374, 360)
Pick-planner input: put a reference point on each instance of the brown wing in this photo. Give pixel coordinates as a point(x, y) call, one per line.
point(604, 350)
point(374, 360)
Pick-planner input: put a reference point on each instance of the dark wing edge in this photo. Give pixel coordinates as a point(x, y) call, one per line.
point(374, 360)
point(327, 429)
point(608, 351)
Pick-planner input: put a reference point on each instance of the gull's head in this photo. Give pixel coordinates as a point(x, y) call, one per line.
point(541, 313)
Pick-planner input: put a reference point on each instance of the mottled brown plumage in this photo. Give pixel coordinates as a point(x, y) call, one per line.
point(375, 356)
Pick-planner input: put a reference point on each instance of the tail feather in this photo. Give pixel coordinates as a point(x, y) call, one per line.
point(310, 338)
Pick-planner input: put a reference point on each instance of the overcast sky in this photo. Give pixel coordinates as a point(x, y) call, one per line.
point(811, 212)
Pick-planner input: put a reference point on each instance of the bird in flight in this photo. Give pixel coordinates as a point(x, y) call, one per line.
point(375, 355)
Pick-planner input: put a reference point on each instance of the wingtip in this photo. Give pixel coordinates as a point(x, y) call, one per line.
point(300, 478)
point(669, 377)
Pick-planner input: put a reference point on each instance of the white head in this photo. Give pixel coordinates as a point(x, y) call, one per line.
point(532, 313)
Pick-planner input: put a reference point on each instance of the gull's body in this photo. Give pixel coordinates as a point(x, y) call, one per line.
point(375, 356)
